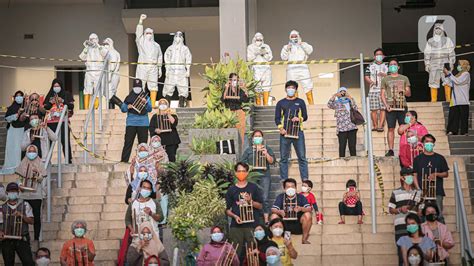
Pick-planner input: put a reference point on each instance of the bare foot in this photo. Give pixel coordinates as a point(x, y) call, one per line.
point(305, 242)
point(342, 222)
point(360, 222)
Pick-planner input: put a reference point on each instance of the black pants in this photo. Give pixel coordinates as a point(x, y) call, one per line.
point(36, 206)
point(458, 117)
point(21, 247)
point(130, 133)
point(171, 151)
point(351, 211)
point(53, 127)
point(344, 138)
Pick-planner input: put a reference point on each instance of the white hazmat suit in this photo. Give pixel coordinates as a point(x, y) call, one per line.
point(114, 66)
point(93, 57)
point(297, 50)
point(149, 52)
point(438, 51)
point(178, 60)
point(258, 51)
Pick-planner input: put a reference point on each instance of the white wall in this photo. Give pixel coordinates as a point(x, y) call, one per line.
point(59, 31)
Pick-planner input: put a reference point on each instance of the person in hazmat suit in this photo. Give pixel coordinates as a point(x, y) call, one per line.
point(93, 56)
point(258, 51)
point(178, 68)
point(297, 50)
point(150, 59)
point(439, 51)
point(114, 67)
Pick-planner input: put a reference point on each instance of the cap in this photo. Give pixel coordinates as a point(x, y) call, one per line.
point(406, 171)
point(137, 83)
point(12, 186)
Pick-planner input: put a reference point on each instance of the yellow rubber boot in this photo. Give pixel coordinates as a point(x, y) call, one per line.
point(434, 94)
point(258, 99)
point(266, 95)
point(87, 99)
point(153, 97)
point(96, 103)
point(447, 93)
point(309, 96)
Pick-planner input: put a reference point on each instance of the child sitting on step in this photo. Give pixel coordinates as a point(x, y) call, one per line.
point(350, 204)
point(306, 191)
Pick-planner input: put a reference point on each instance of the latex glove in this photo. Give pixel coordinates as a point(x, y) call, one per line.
point(86, 43)
point(159, 73)
point(142, 18)
point(427, 68)
point(188, 73)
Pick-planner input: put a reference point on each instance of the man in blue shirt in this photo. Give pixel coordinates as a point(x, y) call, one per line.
point(290, 113)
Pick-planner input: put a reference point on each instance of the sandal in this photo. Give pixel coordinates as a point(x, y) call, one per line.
point(342, 222)
point(360, 222)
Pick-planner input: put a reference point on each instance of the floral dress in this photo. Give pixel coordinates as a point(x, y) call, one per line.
point(343, 114)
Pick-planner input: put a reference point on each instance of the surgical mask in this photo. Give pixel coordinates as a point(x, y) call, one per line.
point(290, 192)
point(148, 36)
point(43, 261)
point(379, 58)
point(277, 231)
point(409, 179)
point(305, 189)
point(412, 228)
point(412, 140)
point(162, 107)
point(431, 217)
point(429, 146)
point(241, 176)
point(294, 40)
point(257, 140)
point(290, 92)
point(234, 83)
point(19, 99)
point(79, 232)
point(106, 45)
point(152, 264)
point(137, 90)
point(156, 144)
point(272, 259)
point(259, 234)
point(414, 259)
point(393, 69)
point(12, 195)
point(145, 193)
point(459, 68)
point(407, 119)
point(56, 89)
point(34, 122)
point(217, 237)
point(145, 236)
point(259, 43)
point(31, 155)
point(142, 154)
point(142, 175)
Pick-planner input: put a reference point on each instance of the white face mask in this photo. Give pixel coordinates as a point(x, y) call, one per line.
point(56, 89)
point(148, 36)
point(137, 90)
point(290, 192)
point(163, 107)
point(412, 140)
point(277, 231)
point(305, 189)
point(234, 83)
point(294, 40)
point(152, 264)
point(42, 261)
point(259, 43)
point(414, 259)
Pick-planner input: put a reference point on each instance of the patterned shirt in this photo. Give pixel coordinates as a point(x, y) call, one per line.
point(343, 115)
point(401, 197)
point(372, 71)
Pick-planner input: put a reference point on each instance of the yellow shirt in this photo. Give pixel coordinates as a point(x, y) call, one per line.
point(285, 256)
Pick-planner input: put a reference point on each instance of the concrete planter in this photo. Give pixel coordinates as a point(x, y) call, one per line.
point(223, 133)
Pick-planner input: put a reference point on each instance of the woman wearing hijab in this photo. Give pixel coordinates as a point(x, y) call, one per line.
point(137, 120)
point(170, 140)
point(148, 170)
point(261, 234)
point(158, 151)
point(55, 101)
point(39, 135)
point(459, 105)
point(148, 245)
point(342, 103)
point(272, 255)
point(15, 129)
point(211, 252)
point(32, 106)
point(31, 166)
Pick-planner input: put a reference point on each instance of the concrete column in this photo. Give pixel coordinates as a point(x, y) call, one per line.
point(233, 27)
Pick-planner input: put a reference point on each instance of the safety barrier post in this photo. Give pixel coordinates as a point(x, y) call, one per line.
point(362, 97)
point(371, 170)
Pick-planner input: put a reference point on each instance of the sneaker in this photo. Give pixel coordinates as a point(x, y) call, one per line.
point(390, 153)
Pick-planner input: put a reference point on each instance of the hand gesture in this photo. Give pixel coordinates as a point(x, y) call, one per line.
point(147, 210)
point(432, 177)
point(238, 220)
point(295, 119)
point(142, 17)
point(158, 131)
point(43, 124)
point(264, 151)
point(282, 213)
point(282, 131)
point(130, 106)
point(86, 43)
point(388, 108)
point(144, 100)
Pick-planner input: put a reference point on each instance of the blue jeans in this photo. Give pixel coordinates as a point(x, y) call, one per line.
point(285, 151)
point(265, 183)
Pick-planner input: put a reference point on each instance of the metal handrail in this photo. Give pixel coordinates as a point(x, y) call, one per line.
point(101, 84)
point(370, 153)
point(47, 165)
point(462, 225)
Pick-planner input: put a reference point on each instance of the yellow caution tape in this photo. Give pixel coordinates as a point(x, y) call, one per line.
point(95, 155)
point(379, 177)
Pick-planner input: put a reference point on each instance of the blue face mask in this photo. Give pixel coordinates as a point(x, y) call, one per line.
point(19, 99)
point(407, 119)
point(429, 146)
point(259, 234)
point(217, 237)
point(379, 58)
point(272, 259)
point(290, 92)
point(393, 69)
point(31, 155)
point(145, 193)
point(156, 144)
point(412, 228)
point(257, 140)
point(459, 68)
point(79, 232)
point(142, 175)
point(12, 195)
point(409, 179)
point(142, 154)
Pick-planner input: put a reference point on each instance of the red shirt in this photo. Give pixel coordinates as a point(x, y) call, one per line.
point(311, 200)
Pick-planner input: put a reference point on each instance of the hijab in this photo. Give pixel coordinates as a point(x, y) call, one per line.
point(149, 164)
point(159, 152)
point(27, 166)
point(214, 243)
point(263, 244)
point(13, 109)
point(63, 93)
point(154, 247)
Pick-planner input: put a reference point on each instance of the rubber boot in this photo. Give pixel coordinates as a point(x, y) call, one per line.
point(182, 101)
point(111, 105)
point(153, 98)
point(258, 99)
point(87, 99)
point(447, 93)
point(309, 96)
point(434, 95)
point(96, 103)
point(266, 95)
point(115, 101)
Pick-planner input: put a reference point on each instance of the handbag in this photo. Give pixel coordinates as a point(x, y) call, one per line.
point(356, 117)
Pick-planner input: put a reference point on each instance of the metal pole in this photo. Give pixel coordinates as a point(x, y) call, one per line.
point(362, 97)
point(59, 157)
point(107, 85)
point(93, 132)
point(66, 136)
point(49, 194)
point(100, 87)
point(371, 171)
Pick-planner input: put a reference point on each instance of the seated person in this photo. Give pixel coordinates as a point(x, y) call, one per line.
point(415, 237)
point(79, 250)
point(438, 232)
point(303, 210)
point(262, 240)
point(350, 204)
point(148, 248)
point(288, 251)
point(272, 255)
point(410, 150)
point(211, 253)
point(306, 191)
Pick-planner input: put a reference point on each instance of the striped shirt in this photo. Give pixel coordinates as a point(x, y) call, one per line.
point(399, 198)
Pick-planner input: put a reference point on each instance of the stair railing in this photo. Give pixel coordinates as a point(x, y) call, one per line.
point(462, 226)
point(48, 161)
point(102, 85)
point(370, 155)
